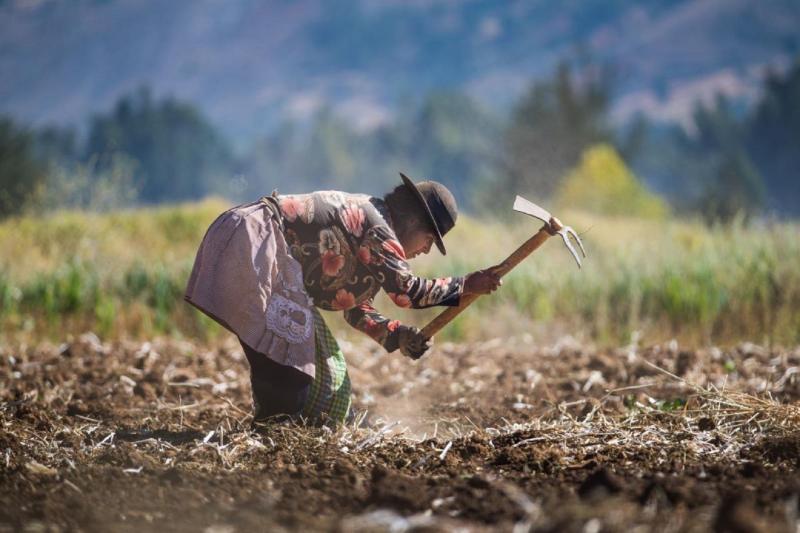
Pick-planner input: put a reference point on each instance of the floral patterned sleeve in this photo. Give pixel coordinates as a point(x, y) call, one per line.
point(367, 319)
point(384, 255)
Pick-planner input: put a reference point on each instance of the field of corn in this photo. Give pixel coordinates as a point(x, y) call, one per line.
point(122, 275)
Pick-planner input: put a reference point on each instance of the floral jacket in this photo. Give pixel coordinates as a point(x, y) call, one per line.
point(349, 251)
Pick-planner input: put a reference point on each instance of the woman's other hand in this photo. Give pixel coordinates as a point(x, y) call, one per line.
point(482, 282)
point(412, 342)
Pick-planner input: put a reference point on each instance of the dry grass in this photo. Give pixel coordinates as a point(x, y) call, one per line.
point(123, 274)
point(474, 434)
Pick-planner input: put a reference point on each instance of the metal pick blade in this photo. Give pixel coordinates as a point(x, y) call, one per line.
point(529, 208)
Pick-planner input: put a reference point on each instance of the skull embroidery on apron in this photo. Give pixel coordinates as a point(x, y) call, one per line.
point(289, 320)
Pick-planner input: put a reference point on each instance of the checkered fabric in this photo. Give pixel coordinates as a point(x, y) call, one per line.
point(329, 399)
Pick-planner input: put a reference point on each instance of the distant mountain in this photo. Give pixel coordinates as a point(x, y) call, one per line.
point(251, 64)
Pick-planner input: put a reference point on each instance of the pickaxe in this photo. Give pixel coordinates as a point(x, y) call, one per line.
point(552, 226)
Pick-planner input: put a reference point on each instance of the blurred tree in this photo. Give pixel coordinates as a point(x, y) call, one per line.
point(664, 161)
point(330, 157)
point(773, 138)
point(602, 183)
point(178, 154)
point(293, 159)
point(716, 127)
point(268, 163)
point(22, 176)
point(447, 137)
point(551, 127)
point(57, 145)
point(454, 141)
point(730, 184)
point(633, 137)
point(735, 189)
point(706, 168)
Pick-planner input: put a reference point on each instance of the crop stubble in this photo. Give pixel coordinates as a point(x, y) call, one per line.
point(500, 434)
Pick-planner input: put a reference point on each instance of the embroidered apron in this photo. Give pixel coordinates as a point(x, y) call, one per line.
point(245, 278)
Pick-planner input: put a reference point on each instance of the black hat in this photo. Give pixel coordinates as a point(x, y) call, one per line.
point(438, 203)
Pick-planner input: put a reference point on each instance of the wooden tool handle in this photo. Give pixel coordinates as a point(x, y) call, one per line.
point(527, 248)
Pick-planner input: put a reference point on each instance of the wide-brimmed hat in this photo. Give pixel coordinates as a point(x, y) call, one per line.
point(439, 204)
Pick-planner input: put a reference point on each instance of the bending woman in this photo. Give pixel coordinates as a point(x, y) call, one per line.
point(265, 267)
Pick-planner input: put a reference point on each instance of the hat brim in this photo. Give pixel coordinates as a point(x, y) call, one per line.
point(437, 232)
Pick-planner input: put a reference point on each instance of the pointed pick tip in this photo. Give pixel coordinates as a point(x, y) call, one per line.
point(580, 244)
point(578, 240)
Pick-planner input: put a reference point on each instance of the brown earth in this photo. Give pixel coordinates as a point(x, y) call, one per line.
point(491, 436)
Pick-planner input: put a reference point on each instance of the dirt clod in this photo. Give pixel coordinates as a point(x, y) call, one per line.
point(600, 483)
point(157, 436)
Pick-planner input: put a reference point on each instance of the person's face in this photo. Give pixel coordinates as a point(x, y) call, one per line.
point(418, 242)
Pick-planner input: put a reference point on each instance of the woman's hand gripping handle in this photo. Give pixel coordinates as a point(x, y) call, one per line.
point(487, 281)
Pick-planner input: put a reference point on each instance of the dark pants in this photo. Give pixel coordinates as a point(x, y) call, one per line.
point(278, 390)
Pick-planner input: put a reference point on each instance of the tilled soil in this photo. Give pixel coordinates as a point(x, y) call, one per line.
point(500, 435)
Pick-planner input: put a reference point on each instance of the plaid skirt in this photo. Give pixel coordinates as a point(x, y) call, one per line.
point(329, 398)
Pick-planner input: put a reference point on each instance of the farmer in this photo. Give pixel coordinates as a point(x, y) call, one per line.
point(263, 268)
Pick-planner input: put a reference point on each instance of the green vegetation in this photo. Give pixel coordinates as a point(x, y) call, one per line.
point(122, 274)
